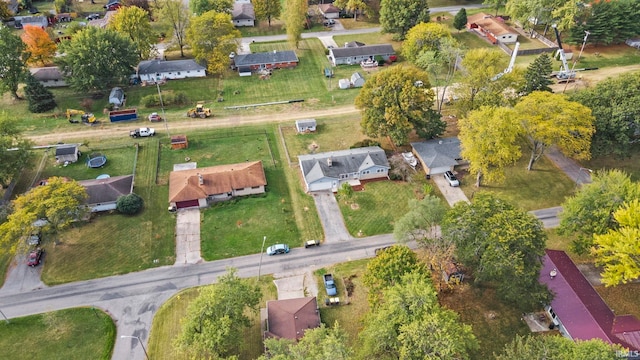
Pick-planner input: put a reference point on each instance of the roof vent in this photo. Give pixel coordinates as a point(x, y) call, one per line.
point(200, 179)
point(329, 161)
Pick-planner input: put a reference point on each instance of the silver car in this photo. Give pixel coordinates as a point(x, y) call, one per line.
point(451, 179)
point(278, 249)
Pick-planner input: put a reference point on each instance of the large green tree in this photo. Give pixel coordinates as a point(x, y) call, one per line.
point(355, 7)
point(398, 16)
point(39, 97)
point(133, 22)
point(618, 251)
point(496, 4)
point(97, 59)
point(441, 65)
point(175, 15)
point(59, 202)
point(424, 37)
point(615, 104)
point(590, 211)
point(212, 38)
point(12, 61)
point(295, 19)
point(267, 9)
point(537, 75)
point(503, 245)
point(460, 20)
point(215, 320)
point(489, 140)
point(387, 268)
point(480, 84)
point(553, 120)
point(557, 347)
point(421, 221)
point(4, 10)
point(395, 101)
point(410, 324)
point(199, 7)
point(12, 161)
point(317, 344)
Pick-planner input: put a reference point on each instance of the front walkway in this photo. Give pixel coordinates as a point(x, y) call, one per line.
point(188, 236)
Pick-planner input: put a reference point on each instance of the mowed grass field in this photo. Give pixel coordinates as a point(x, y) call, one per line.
point(80, 333)
point(167, 325)
point(113, 243)
point(543, 187)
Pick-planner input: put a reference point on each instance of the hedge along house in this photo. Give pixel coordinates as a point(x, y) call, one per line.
point(327, 171)
point(157, 70)
point(355, 55)
point(190, 186)
point(248, 63)
point(103, 194)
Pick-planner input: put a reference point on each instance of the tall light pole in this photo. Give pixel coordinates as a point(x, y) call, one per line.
point(140, 341)
point(261, 253)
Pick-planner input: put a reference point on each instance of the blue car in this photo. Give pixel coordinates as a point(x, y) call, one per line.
point(278, 249)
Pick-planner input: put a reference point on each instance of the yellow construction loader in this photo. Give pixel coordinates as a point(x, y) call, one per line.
point(199, 111)
point(87, 118)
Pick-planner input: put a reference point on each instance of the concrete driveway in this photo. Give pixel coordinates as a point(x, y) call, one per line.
point(23, 278)
point(330, 217)
point(188, 237)
point(452, 194)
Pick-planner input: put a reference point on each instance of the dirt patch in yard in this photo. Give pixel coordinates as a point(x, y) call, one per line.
point(585, 79)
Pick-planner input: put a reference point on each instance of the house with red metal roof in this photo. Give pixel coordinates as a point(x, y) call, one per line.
point(578, 310)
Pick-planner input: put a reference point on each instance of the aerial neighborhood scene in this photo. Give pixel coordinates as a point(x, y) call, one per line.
point(320, 179)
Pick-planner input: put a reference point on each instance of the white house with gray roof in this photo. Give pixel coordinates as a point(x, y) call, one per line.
point(438, 155)
point(327, 171)
point(156, 70)
point(243, 13)
point(355, 55)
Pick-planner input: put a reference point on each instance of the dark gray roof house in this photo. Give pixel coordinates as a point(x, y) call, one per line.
point(152, 70)
point(438, 155)
point(40, 21)
point(327, 171)
point(354, 55)
point(243, 14)
point(104, 193)
point(266, 60)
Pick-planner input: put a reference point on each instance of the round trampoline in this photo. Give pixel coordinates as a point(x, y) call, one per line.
point(96, 160)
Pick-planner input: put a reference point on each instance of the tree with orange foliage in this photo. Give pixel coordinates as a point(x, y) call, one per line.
point(39, 45)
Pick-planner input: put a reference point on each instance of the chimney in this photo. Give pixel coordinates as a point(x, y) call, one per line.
point(329, 161)
point(200, 179)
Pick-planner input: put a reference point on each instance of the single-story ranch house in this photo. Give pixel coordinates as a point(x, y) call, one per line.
point(104, 193)
point(355, 55)
point(243, 13)
point(327, 171)
point(494, 29)
point(156, 70)
point(49, 76)
point(197, 187)
point(329, 11)
point(438, 155)
point(578, 310)
point(247, 63)
point(290, 318)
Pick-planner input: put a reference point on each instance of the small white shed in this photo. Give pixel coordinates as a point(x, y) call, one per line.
point(344, 84)
point(305, 125)
point(357, 80)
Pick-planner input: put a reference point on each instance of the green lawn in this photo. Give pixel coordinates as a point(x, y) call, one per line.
point(630, 164)
point(80, 333)
point(375, 210)
point(121, 243)
point(166, 324)
point(543, 187)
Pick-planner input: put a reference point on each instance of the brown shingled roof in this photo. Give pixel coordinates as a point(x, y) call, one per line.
point(184, 184)
point(291, 317)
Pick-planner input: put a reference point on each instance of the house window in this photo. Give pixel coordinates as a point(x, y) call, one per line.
point(365, 172)
point(188, 71)
point(344, 176)
point(178, 73)
point(158, 75)
point(255, 187)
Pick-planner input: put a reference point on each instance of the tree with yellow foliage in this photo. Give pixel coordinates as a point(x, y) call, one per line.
point(619, 250)
point(39, 45)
